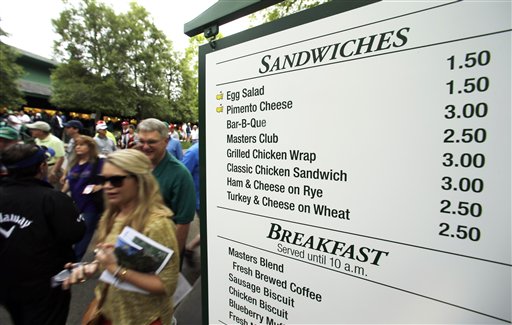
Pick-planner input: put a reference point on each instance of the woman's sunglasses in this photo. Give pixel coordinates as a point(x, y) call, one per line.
point(116, 180)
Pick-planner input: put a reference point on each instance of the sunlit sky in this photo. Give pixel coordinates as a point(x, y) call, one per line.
point(28, 22)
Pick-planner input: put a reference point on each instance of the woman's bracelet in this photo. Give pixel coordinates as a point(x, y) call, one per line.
point(122, 275)
point(116, 272)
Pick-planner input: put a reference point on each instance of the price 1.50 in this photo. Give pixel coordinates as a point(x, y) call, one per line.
point(460, 232)
point(469, 86)
point(472, 59)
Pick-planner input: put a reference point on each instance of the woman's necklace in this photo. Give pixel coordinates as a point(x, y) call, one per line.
point(83, 160)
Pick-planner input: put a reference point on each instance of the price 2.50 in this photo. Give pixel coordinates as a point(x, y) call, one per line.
point(467, 136)
point(462, 208)
point(460, 232)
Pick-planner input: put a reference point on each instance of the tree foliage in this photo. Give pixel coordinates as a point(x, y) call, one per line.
point(181, 87)
point(189, 82)
point(118, 64)
point(10, 72)
point(285, 8)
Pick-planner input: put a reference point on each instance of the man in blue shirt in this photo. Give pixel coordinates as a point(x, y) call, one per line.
point(191, 161)
point(174, 148)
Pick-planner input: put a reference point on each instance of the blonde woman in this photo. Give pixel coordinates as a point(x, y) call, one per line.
point(133, 199)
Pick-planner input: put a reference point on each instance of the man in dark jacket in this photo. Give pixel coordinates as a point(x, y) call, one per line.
point(57, 124)
point(38, 226)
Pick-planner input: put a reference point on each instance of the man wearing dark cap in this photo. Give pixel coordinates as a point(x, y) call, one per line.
point(41, 132)
point(74, 124)
point(73, 129)
point(38, 227)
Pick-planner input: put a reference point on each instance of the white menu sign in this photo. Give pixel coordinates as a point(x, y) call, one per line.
point(358, 169)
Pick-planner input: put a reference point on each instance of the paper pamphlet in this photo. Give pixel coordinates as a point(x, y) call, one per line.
point(140, 253)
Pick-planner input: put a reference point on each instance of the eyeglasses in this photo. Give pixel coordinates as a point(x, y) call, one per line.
point(116, 180)
point(149, 142)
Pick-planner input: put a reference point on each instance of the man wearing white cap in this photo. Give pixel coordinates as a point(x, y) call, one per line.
point(41, 131)
point(110, 135)
point(105, 144)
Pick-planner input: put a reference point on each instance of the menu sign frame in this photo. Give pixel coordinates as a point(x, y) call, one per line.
point(356, 166)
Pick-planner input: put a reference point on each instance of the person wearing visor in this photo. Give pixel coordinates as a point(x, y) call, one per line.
point(38, 227)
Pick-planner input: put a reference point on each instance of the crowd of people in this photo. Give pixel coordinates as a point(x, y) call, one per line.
point(55, 197)
point(182, 131)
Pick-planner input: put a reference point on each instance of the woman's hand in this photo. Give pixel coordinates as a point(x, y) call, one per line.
point(52, 177)
point(106, 257)
point(62, 179)
point(80, 272)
